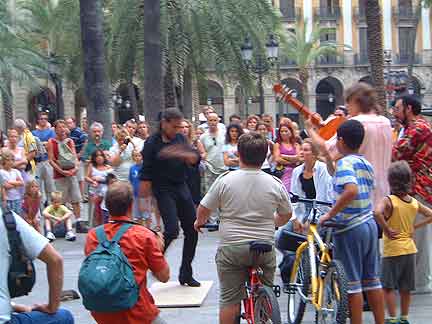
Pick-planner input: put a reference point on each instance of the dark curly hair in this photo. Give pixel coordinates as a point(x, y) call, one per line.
point(228, 136)
point(94, 156)
point(292, 138)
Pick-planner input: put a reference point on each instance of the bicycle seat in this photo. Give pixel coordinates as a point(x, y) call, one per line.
point(260, 247)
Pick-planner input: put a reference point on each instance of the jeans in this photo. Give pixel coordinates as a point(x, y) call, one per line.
point(175, 204)
point(62, 316)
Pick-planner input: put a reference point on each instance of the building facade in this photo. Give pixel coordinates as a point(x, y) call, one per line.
point(345, 20)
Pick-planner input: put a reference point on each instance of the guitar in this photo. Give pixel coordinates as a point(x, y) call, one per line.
point(326, 130)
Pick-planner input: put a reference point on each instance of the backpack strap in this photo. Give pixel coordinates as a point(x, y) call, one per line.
point(101, 235)
point(120, 232)
point(14, 238)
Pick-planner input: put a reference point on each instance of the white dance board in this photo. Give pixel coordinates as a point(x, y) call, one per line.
point(172, 294)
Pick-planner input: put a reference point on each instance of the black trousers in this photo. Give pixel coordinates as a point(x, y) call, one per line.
point(175, 204)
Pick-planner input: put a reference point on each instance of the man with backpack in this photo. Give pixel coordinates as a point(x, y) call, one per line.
point(119, 254)
point(26, 239)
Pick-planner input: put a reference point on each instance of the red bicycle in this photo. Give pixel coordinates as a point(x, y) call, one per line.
point(260, 305)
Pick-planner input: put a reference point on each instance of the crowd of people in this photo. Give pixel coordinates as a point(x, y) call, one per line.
point(237, 175)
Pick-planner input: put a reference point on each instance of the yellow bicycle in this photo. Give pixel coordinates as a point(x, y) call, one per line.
point(316, 277)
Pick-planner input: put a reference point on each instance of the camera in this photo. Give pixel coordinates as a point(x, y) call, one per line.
point(127, 141)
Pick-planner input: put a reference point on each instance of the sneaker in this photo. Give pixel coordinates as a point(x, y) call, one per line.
point(70, 236)
point(403, 321)
point(392, 321)
point(50, 236)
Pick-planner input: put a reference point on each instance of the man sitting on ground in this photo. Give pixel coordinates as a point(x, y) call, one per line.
point(246, 215)
point(35, 246)
point(142, 248)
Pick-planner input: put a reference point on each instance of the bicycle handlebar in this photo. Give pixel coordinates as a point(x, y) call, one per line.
point(334, 225)
point(295, 198)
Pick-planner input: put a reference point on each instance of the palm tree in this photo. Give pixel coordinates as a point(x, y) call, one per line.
point(375, 48)
point(153, 94)
point(305, 50)
point(19, 61)
point(95, 74)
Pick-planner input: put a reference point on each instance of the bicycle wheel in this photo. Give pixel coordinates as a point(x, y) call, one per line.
point(266, 307)
point(335, 299)
point(299, 288)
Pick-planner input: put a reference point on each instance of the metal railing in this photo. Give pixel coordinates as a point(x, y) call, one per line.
point(328, 13)
point(404, 14)
point(403, 58)
point(361, 59)
point(290, 14)
point(330, 60)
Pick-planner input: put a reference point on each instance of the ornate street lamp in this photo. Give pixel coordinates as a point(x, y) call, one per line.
point(262, 65)
point(55, 76)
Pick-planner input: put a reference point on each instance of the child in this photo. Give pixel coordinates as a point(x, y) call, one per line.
point(31, 204)
point(12, 183)
point(396, 214)
point(56, 214)
point(141, 211)
point(96, 177)
point(356, 245)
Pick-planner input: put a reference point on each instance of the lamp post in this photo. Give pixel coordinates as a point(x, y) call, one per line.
point(396, 81)
point(54, 74)
point(262, 64)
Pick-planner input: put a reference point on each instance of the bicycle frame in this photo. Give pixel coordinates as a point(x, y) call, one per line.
point(252, 285)
point(317, 282)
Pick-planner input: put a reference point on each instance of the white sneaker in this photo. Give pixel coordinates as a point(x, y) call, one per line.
point(70, 236)
point(50, 236)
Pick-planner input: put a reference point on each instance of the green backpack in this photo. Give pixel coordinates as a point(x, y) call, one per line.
point(106, 280)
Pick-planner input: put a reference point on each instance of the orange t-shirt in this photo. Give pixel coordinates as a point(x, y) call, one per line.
point(141, 248)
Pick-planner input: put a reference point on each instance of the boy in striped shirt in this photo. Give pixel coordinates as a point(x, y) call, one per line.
point(356, 246)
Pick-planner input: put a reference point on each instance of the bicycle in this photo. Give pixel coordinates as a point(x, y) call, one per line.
point(315, 278)
point(260, 305)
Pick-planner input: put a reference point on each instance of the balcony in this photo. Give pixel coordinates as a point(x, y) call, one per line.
point(402, 58)
point(286, 62)
point(360, 15)
point(330, 60)
point(290, 14)
point(404, 15)
point(361, 59)
point(331, 14)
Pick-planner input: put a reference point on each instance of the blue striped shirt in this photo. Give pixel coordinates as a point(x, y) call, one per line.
point(354, 169)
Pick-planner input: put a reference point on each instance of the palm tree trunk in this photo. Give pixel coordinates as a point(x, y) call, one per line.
point(7, 104)
point(375, 49)
point(170, 88)
point(153, 85)
point(133, 99)
point(187, 94)
point(195, 100)
point(95, 75)
point(304, 79)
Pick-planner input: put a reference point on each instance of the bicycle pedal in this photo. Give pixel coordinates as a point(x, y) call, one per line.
point(277, 290)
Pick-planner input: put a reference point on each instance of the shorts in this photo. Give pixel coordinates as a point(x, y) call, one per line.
point(81, 171)
point(70, 188)
point(398, 272)
point(357, 250)
point(232, 264)
point(141, 215)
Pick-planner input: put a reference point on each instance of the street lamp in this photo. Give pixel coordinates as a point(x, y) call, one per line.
point(262, 65)
point(209, 101)
point(54, 74)
point(396, 81)
point(249, 102)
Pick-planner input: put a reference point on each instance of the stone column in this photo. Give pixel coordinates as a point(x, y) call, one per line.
point(387, 24)
point(20, 101)
point(69, 101)
point(308, 17)
point(229, 107)
point(347, 29)
point(427, 47)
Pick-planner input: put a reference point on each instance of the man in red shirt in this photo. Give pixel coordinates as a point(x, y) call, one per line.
point(142, 248)
point(415, 147)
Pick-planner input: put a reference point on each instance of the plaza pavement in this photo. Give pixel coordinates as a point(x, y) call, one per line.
point(204, 269)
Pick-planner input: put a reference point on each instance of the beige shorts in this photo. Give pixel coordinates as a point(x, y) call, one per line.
point(70, 188)
point(81, 171)
point(232, 264)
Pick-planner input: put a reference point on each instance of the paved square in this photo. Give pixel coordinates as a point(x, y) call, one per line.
point(204, 269)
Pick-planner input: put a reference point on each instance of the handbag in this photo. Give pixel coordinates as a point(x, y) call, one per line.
point(66, 158)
